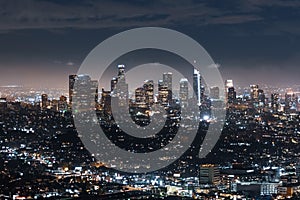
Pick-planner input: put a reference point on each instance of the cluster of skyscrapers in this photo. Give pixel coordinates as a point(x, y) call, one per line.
point(144, 96)
point(85, 91)
point(257, 98)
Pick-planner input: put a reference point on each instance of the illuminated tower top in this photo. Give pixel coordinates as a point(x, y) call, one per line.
point(184, 91)
point(119, 85)
point(254, 92)
point(228, 84)
point(121, 72)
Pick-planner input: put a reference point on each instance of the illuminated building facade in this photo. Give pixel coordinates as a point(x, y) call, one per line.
point(149, 92)
point(167, 80)
point(209, 174)
point(184, 91)
point(72, 79)
point(85, 93)
point(197, 86)
point(45, 102)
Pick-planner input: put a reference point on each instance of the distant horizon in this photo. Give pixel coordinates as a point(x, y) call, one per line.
point(65, 85)
point(60, 80)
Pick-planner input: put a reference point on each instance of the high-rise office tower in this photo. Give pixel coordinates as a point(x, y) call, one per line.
point(202, 90)
point(94, 89)
point(164, 94)
point(184, 91)
point(81, 91)
point(231, 95)
point(119, 86)
point(291, 100)
point(209, 174)
point(113, 83)
point(62, 104)
point(72, 79)
point(160, 84)
point(197, 86)
point(44, 101)
point(121, 72)
point(149, 92)
point(228, 84)
point(167, 79)
point(214, 92)
point(106, 101)
point(261, 98)
point(86, 92)
point(254, 92)
point(140, 95)
point(275, 102)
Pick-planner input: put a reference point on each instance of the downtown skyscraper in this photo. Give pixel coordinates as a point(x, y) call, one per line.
point(184, 91)
point(197, 86)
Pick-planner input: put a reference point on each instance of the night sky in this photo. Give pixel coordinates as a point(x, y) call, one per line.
point(255, 41)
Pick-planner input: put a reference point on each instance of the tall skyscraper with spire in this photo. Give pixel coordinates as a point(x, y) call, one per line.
point(230, 92)
point(197, 86)
point(228, 84)
point(118, 84)
point(119, 87)
point(121, 71)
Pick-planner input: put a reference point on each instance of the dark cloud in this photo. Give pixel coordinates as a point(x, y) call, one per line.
point(234, 19)
point(29, 14)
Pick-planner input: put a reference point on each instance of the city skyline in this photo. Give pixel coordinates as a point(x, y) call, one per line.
point(139, 99)
point(191, 85)
point(257, 150)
